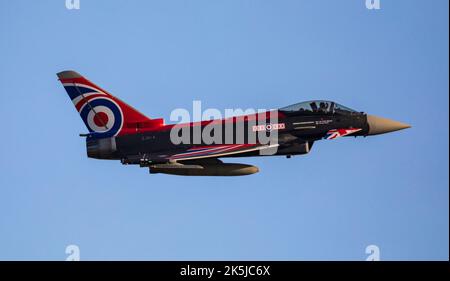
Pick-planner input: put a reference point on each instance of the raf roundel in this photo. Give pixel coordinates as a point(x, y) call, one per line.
point(102, 116)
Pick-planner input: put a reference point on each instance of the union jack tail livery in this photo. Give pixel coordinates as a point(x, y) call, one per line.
point(336, 133)
point(103, 114)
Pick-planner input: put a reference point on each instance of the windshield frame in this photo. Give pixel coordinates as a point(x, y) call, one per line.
point(318, 107)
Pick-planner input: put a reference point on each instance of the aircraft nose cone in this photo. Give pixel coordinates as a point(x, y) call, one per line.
point(380, 125)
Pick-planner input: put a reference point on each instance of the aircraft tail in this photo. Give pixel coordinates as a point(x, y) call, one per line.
point(103, 114)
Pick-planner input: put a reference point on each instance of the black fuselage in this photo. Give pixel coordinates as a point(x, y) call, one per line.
point(295, 136)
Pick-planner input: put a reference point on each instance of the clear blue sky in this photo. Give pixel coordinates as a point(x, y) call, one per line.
point(390, 190)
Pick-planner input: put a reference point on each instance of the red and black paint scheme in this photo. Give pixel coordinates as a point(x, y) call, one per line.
point(117, 131)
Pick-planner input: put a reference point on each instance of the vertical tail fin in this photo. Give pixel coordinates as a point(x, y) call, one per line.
point(103, 114)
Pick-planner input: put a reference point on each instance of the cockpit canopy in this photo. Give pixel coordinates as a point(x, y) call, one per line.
point(318, 107)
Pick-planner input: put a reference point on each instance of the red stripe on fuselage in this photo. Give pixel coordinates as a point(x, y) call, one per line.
point(264, 116)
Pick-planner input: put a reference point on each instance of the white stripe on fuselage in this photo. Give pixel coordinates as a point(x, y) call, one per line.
point(227, 153)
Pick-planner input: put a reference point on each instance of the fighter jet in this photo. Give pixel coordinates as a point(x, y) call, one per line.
point(117, 131)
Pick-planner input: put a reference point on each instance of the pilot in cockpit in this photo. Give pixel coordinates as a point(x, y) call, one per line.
point(323, 107)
